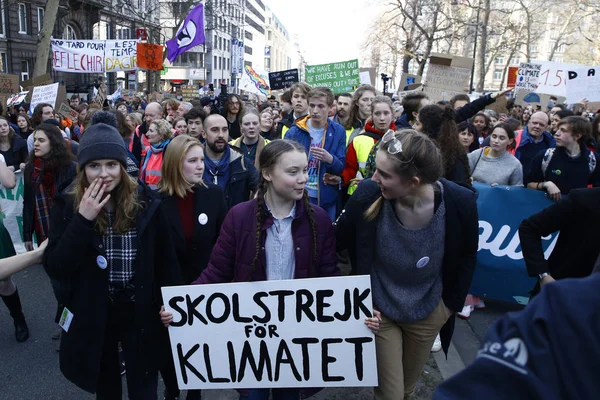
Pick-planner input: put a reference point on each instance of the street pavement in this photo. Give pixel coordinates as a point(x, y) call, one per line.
point(30, 370)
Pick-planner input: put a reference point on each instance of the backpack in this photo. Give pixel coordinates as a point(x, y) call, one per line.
point(550, 152)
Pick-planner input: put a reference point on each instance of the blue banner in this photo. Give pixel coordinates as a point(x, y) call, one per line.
point(501, 272)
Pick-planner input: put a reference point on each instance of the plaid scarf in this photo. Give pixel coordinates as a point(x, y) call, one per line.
point(121, 251)
point(43, 181)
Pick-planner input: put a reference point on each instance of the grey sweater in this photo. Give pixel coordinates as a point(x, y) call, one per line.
point(504, 170)
point(407, 276)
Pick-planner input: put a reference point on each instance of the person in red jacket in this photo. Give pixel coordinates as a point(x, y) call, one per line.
point(277, 235)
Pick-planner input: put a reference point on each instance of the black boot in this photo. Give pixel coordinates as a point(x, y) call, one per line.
point(13, 303)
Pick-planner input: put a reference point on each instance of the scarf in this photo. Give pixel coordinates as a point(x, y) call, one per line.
point(153, 149)
point(370, 127)
point(218, 173)
point(44, 186)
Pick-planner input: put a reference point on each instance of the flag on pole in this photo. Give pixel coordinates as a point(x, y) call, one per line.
point(189, 34)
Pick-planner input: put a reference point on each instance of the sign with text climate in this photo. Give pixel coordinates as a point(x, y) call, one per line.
point(93, 56)
point(340, 77)
point(270, 334)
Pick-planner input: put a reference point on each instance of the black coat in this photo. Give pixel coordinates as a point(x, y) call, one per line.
point(243, 180)
point(355, 233)
point(577, 217)
point(71, 257)
point(210, 202)
point(64, 177)
point(17, 153)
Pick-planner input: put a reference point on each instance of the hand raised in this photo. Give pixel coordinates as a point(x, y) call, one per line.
point(92, 201)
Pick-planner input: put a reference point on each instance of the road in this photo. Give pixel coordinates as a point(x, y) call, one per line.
point(30, 370)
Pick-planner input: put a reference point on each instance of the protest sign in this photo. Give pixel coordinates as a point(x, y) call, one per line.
point(553, 77)
point(364, 77)
point(527, 98)
point(41, 80)
point(408, 79)
point(67, 112)
point(528, 76)
point(255, 81)
point(101, 94)
point(500, 273)
point(9, 84)
point(11, 211)
point(511, 77)
point(44, 94)
point(447, 76)
point(340, 77)
point(274, 334)
point(583, 83)
point(283, 79)
point(190, 92)
point(16, 99)
point(129, 95)
point(120, 55)
point(150, 56)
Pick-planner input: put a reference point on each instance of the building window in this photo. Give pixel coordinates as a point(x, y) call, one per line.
point(220, 43)
point(3, 25)
point(220, 63)
point(24, 70)
point(40, 18)
point(215, 63)
point(499, 60)
point(515, 60)
point(560, 48)
point(497, 74)
point(228, 64)
point(22, 18)
point(248, 50)
point(123, 33)
point(4, 62)
point(248, 35)
point(69, 33)
point(533, 48)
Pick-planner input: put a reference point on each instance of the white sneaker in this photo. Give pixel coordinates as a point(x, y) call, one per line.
point(466, 312)
point(437, 345)
point(480, 305)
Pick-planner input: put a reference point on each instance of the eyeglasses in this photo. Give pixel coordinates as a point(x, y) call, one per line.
point(395, 146)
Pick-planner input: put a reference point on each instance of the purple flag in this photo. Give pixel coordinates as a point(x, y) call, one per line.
point(190, 34)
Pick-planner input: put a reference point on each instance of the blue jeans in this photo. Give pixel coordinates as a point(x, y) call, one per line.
point(278, 394)
point(329, 210)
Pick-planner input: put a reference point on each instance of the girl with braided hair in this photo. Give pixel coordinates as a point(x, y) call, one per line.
point(277, 235)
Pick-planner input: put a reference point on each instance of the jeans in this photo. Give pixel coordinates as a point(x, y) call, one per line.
point(331, 210)
point(278, 394)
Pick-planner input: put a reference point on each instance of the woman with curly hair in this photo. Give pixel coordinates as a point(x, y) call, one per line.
point(438, 123)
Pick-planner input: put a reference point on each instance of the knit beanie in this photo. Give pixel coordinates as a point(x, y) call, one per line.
point(101, 142)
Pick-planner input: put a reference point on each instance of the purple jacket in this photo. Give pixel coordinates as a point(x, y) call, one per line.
point(232, 255)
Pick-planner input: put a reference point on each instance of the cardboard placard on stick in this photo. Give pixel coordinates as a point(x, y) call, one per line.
point(190, 92)
point(67, 112)
point(44, 94)
point(41, 80)
point(447, 76)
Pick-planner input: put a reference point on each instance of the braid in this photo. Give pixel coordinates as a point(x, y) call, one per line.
point(313, 229)
point(260, 203)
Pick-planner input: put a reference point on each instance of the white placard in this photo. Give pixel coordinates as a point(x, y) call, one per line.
point(528, 76)
point(11, 206)
point(120, 55)
point(44, 94)
point(273, 334)
point(583, 83)
point(553, 77)
point(365, 78)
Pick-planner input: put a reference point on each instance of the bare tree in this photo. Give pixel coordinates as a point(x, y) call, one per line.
point(43, 48)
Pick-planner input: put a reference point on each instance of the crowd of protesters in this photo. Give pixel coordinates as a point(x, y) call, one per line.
point(134, 196)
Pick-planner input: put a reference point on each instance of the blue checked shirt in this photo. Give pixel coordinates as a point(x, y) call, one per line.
point(279, 248)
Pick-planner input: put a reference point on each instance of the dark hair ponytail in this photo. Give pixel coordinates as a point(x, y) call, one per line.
point(449, 143)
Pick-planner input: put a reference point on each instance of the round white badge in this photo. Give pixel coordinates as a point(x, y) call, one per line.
point(101, 261)
point(203, 219)
point(423, 262)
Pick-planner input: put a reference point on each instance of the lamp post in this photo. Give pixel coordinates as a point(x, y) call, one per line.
point(475, 47)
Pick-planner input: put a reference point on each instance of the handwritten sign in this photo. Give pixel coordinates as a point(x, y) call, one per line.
point(583, 83)
point(16, 98)
point(340, 77)
point(447, 76)
point(528, 76)
point(91, 56)
point(292, 333)
point(283, 79)
point(44, 94)
point(190, 92)
point(9, 84)
point(120, 55)
point(67, 112)
point(553, 77)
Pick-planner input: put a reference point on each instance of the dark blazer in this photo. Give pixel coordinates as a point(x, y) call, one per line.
point(210, 202)
point(243, 180)
point(577, 217)
point(71, 257)
point(64, 177)
point(18, 153)
point(355, 233)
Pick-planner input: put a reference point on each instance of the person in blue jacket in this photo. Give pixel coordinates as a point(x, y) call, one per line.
point(549, 351)
point(325, 143)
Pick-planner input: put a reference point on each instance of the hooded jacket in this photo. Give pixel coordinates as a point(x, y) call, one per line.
point(262, 142)
point(335, 144)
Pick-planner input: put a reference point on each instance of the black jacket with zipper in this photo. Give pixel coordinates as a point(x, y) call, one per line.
point(70, 257)
point(355, 233)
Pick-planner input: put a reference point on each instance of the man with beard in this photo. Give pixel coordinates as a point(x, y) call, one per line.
point(224, 166)
point(232, 109)
point(344, 105)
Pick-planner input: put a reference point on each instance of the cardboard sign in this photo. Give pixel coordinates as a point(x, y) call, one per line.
point(583, 83)
point(9, 84)
point(16, 99)
point(527, 98)
point(93, 56)
point(44, 94)
point(340, 77)
point(150, 56)
point(528, 76)
point(128, 95)
point(408, 79)
point(41, 80)
point(190, 92)
point(447, 76)
point(67, 112)
point(291, 333)
point(283, 79)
